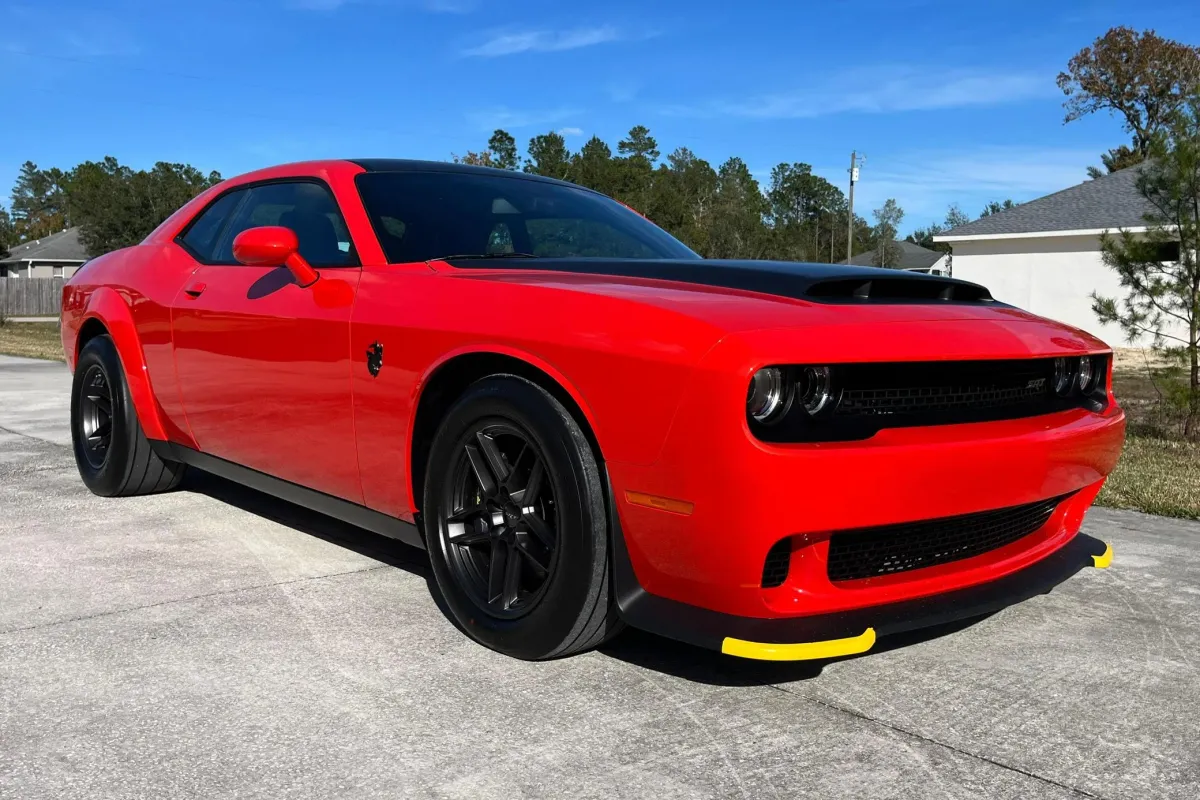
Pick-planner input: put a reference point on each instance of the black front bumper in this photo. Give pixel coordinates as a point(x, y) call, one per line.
point(712, 629)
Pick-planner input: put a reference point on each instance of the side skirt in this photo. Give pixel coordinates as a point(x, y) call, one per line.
point(322, 503)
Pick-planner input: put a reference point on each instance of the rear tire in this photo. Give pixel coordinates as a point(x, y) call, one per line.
point(516, 523)
point(111, 450)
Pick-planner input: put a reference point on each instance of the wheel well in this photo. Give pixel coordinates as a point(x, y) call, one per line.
point(90, 330)
point(449, 382)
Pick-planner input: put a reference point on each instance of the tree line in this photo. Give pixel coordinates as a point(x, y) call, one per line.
point(721, 212)
point(113, 205)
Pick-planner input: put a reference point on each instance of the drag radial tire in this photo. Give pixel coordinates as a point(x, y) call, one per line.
point(516, 523)
point(113, 454)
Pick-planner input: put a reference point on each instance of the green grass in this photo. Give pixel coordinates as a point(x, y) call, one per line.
point(32, 340)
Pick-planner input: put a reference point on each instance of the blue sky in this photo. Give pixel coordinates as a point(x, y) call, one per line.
point(949, 101)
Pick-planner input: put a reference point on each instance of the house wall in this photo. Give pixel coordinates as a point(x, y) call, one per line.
point(1052, 276)
point(38, 269)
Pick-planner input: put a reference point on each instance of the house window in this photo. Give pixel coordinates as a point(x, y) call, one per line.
point(1167, 251)
point(58, 272)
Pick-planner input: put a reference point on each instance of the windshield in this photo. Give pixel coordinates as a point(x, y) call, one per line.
point(421, 216)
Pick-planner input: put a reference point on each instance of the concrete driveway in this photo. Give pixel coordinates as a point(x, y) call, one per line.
point(214, 642)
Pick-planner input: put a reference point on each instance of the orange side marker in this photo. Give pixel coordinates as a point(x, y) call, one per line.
point(660, 503)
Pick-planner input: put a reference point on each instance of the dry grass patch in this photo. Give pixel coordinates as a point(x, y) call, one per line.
point(1159, 472)
point(32, 340)
point(1157, 476)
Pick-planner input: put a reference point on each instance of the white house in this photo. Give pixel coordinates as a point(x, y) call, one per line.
point(913, 258)
point(1044, 255)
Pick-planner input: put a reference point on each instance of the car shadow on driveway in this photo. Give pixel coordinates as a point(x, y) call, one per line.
point(389, 551)
point(635, 647)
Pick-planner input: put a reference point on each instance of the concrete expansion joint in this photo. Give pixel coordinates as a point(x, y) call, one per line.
point(177, 600)
point(937, 743)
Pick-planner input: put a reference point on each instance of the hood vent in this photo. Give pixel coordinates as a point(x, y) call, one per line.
point(897, 290)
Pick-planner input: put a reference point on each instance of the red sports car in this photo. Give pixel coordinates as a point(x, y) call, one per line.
point(586, 424)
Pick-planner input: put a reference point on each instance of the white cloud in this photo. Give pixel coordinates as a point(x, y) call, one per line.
point(926, 183)
point(571, 131)
point(882, 90)
point(503, 117)
point(507, 43)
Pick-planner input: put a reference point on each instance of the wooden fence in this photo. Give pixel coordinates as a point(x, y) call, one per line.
point(30, 297)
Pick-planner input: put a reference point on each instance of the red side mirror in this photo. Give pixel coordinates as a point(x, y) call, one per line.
point(273, 246)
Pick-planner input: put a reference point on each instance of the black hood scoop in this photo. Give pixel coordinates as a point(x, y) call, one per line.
point(818, 283)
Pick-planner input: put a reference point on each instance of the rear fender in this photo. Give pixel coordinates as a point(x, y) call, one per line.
point(111, 310)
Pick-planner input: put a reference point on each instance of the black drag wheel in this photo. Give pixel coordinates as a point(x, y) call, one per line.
point(111, 450)
point(516, 523)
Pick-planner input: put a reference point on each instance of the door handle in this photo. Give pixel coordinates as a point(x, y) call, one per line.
point(194, 290)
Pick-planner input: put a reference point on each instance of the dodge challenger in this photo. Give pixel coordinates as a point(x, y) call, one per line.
point(584, 423)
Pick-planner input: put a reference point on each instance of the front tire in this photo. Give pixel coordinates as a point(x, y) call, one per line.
point(111, 450)
point(516, 523)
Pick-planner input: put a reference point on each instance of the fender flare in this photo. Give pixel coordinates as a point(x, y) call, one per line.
point(108, 307)
point(496, 349)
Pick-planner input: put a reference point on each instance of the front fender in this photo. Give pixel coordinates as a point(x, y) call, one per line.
point(107, 307)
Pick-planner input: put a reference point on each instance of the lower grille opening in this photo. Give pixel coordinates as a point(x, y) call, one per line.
point(779, 561)
point(888, 549)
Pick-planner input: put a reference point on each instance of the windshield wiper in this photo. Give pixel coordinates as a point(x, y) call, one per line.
point(485, 255)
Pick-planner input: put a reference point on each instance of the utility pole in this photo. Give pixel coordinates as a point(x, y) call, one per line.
point(850, 218)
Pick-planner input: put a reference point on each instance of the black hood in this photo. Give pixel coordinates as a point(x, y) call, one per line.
point(819, 283)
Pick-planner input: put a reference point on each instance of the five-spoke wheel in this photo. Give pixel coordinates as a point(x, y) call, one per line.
point(502, 531)
point(516, 523)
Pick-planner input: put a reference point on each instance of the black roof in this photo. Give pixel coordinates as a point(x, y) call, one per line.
point(412, 165)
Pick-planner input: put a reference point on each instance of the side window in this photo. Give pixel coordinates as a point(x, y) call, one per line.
point(582, 237)
point(201, 237)
point(308, 209)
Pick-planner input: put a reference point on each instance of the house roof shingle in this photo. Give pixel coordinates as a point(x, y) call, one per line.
point(913, 256)
point(1108, 202)
point(61, 246)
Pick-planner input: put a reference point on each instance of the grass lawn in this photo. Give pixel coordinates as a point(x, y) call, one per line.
point(1155, 475)
point(1158, 476)
point(31, 339)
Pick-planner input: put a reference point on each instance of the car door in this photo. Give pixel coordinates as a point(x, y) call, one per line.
point(263, 363)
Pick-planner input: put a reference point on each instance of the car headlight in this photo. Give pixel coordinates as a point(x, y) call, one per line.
point(1062, 377)
point(815, 389)
point(767, 399)
point(1087, 375)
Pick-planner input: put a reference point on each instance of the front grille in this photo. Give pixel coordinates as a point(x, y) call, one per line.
point(779, 560)
point(887, 549)
point(869, 397)
point(889, 390)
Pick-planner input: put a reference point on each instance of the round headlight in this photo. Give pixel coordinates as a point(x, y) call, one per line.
point(765, 400)
point(1086, 374)
point(1062, 376)
point(815, 389)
